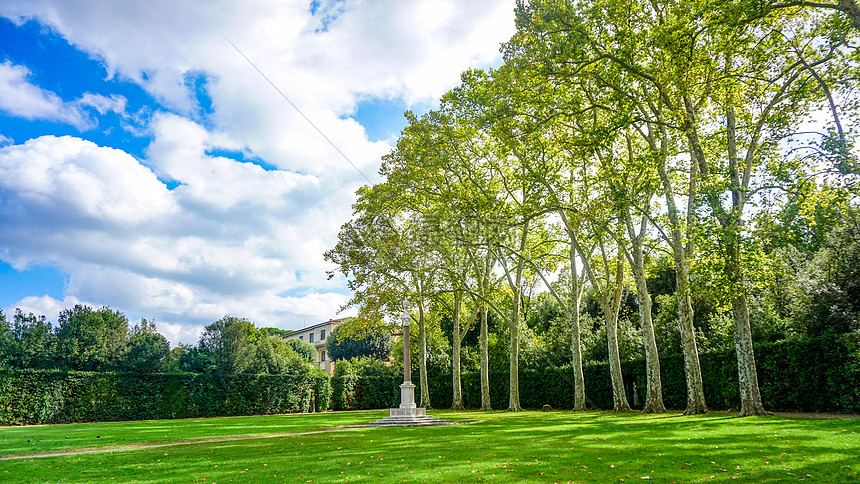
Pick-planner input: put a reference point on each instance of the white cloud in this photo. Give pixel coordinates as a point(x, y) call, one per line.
point(76, 181)
point(42, 306)
point(103, 104)
point(229, 240)
point(388, 49)
point(232, 238)
point(19, 97)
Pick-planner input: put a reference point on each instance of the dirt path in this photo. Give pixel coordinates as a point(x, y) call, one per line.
point(232, 438)
point(121, 448)
point(817, 416)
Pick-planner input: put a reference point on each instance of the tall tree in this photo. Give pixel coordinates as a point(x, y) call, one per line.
point(91, 340)
point(630, 50)
point(386, 255)
point(230, 341)
point(147, 350)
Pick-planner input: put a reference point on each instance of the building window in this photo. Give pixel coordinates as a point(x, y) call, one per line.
point(322, 334)
point(301, 338)
point(312, 338)
point(322, 355)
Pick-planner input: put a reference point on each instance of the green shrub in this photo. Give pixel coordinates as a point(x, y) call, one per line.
point(56, 396)
point(808, 374)
point(364, 383)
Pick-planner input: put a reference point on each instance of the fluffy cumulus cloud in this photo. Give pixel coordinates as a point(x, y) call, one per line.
point(242, 186)
point(19, 97)
point(227, 240)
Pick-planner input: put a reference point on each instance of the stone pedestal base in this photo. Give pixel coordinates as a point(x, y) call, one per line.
point(408, 414)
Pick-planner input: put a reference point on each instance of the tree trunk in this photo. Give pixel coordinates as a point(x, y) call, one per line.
point(484, 346)
point(654, 387)
point(485, 363)
point(692, 370)
point(576, 337)
point(732, 226)
point(610, 313)
point(851, 10)
point(514, 399)
point(422, 357)
point(457, 403)
point(751, 403)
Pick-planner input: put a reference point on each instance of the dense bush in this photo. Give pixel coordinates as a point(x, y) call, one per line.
point(809, 374)
point(56, 396)
point(365, 383)
point(353, 339)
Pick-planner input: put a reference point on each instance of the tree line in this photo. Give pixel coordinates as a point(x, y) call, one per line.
point(87, 339)
point(692, 164)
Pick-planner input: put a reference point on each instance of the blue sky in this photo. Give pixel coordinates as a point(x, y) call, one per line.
point(146, 166)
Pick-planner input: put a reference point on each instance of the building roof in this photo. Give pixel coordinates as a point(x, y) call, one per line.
point(320, 325)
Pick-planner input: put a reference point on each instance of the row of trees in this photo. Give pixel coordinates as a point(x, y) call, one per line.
point(88, 339)
point(704, 146)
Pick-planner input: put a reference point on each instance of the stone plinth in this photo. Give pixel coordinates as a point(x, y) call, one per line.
point(408, 414)
point(407, 396)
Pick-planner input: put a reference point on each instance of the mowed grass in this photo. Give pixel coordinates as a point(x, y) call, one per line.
point(558, 446)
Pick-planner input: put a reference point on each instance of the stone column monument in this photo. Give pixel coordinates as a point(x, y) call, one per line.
point(407, 414)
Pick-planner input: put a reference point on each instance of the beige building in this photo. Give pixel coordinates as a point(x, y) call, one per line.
point(316, 335)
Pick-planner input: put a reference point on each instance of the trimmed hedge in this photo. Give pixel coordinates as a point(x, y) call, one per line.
point(55, 396)
point(351, 392)
point(810, 374)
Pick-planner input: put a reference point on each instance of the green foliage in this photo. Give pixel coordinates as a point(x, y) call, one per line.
point(192, 359)
point(546, 313)
point(630, 346)
point(229, 341)
point(35, 341)
point(303, 348)
point(276, 331)
point(147, 350)
point(364, 383)
point(7, 343)
point(58, 396)
point(828, 289)
point(353, 339)
point(805, 374)
point(438, 351)
point(90, 340)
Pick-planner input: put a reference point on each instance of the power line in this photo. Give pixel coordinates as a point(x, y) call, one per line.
point(276, 88)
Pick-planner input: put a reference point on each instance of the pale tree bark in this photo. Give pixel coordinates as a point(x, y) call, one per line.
point(422, 356)
point(576, 336)
point(680, 252)
point(456, 340)
point(654, 386)
point(692, 369)
point(484, 346)
point(514, 398)
point(847, 7)
point(751, 403)
point(485, 365)
point(457, 344)
point(610, 302)
point(610, 314)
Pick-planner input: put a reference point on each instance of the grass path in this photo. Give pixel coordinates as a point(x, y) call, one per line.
point(120, 448)
point(555, 446)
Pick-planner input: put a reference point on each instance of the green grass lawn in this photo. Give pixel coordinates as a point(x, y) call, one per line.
point(555, 446)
